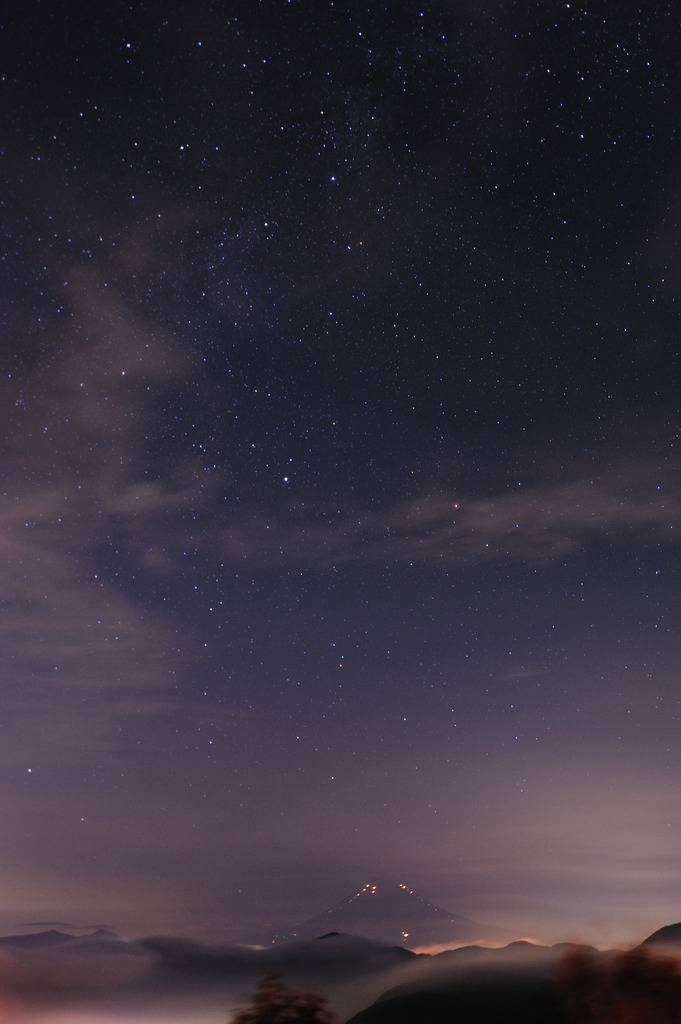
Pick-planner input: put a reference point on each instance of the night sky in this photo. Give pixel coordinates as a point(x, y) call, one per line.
point(341, 491)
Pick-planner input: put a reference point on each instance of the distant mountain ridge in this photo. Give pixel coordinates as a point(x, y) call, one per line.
point(524, 983)
point(52, 937)
point(394, 913)
point(366, 981)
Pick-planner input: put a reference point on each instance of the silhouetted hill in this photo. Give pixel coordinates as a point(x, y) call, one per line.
point(474, 985)
point(669, 936)
point(44, 940)
point(36, 940)
point(529, 1002)
point(394, 913)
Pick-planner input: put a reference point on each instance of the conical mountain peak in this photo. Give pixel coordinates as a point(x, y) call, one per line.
point(393, 912)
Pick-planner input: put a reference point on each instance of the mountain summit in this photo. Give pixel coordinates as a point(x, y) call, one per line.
point(393, 912)
point(668, 937)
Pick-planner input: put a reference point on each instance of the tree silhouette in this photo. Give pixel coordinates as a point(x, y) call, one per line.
point(274, 1003)
point(634, 987)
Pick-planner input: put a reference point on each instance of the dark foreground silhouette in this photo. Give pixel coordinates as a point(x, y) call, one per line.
point(635, 987)
point(274, 1003)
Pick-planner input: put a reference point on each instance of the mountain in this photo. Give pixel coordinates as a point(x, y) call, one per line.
point(526, 984)
point(394, 913)
point(669, 937)
point(515, 984)
point(516, 1001)
point(43, 940)
point(36, 940)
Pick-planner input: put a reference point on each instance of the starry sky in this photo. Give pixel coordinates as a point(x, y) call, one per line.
point(341, 492)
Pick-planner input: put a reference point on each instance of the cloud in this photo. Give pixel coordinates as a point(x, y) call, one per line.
point(79, 515)
point(68, 925)
point(537, 525)
point(69, 634)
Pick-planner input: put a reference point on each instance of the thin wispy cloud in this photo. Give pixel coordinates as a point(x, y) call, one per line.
point(535, 524)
